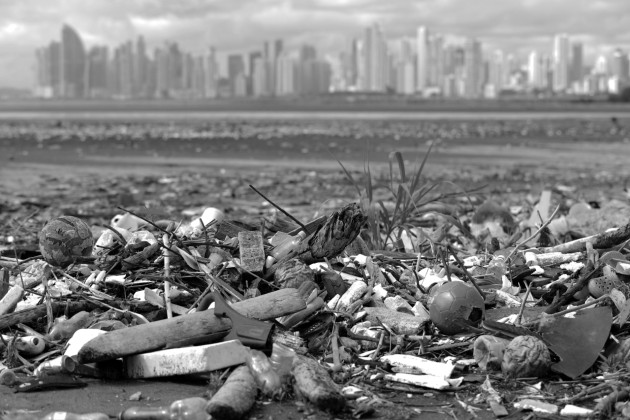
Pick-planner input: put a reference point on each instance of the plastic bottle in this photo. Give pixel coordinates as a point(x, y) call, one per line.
point(488, 351)
point(282, 360)
point(265, 375)
point(496, 269)
point(66, 328)
point(64, 415)
point(289, 244)
point(193, 408)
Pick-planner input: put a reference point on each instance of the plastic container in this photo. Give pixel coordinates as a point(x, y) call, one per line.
point(265, 375)
point(282, 360)
point(488, 351)
point(496, 269)
point(193, 408)
point(289, 244)
point(64, 415)
point(65, 329)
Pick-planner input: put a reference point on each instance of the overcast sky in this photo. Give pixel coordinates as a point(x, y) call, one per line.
point(232, 25)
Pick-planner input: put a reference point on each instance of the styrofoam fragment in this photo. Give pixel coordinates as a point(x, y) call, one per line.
point(571, 410)
point(536, 406)
point(406, 363)
point(354, 293)
point(426, 381)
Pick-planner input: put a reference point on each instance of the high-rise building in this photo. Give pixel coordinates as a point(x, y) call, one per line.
point(436, 60)
point(259, 77)
point(423, 57)
point(620, 66)
point(496, 72)
point(535, 74)
point(72, 64)
point(236, 67)
point(49, 70)
point(561, 63)
point(375, 58)
point(96, 73)
point(577, 62)
point(473, 69)
point(286, 75)
point(210, 74)
point(140, 71)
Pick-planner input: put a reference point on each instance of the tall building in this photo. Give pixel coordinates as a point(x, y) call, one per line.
point(49, 70)
point(620, 66)
point(259, 77)
point(577, 62)
point(72, 76)
point(423, 57)
point(286, 75)
point(96, 73)
point(496, 72)
point(561, 63)
point(473, 69)
point(236, 67)
point(375, 58)
point(436, 60)
point(210, 74)
point(535, 74)
point(140, 71)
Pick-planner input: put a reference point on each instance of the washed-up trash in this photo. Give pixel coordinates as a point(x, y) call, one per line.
point(455, 307)
point(526, 357)
point(577, 340)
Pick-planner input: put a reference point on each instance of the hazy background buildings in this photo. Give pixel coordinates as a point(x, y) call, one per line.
point(423, 64)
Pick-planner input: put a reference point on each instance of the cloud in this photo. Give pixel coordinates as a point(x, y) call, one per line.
point(241, 25)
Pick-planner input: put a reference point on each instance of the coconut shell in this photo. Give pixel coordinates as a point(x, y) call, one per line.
point(64, 240)
point(526, 357)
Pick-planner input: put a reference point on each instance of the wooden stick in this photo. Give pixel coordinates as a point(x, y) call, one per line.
point(313, 382)
point(236, 397)
point(599, 241)
point(200, 326)
point(279, 208)
point(167, 275)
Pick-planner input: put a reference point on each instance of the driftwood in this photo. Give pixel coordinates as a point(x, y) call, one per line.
point(194, 328)
point(334, 235)
point(600, 241)
point(236, 397)
point(402, 323)
point(30, 315)
point(313, 383)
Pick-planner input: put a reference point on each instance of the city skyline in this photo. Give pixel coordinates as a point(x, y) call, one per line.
point(326, 24)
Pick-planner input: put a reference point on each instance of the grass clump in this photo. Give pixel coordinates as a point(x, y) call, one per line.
point(396, 215)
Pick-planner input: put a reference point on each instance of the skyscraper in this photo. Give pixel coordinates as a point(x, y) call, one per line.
point(561, 63)
point(535, 75)
point(422, 77)
point(236, 67)
point(577, 62)
point(375, 56)
point(140, 71)
point(210, 73)
point(473, 68)
point(620, 66)
point(96, 74)
point(72, 64)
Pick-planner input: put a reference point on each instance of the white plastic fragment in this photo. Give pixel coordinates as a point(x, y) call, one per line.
point(571, 410)
point(507, 299)
point(354, 293)
point(406, 363)
point(379, 292)
point(426, 381)
point(536, 406)
point(332, 303)
point(210, 214)
point(352, 392)
point(398, 304)
point(572, 266)
point(420, 310)
point(552, 258)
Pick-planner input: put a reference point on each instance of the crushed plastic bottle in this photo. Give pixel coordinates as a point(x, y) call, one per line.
point(65, 328)
point(266, 377)
point(193, 408)
point(64, 415)
point(496, 269)
point(282, 360)
point(289, 244)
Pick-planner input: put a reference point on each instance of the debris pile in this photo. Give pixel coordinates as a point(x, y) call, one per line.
point(503, 310)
